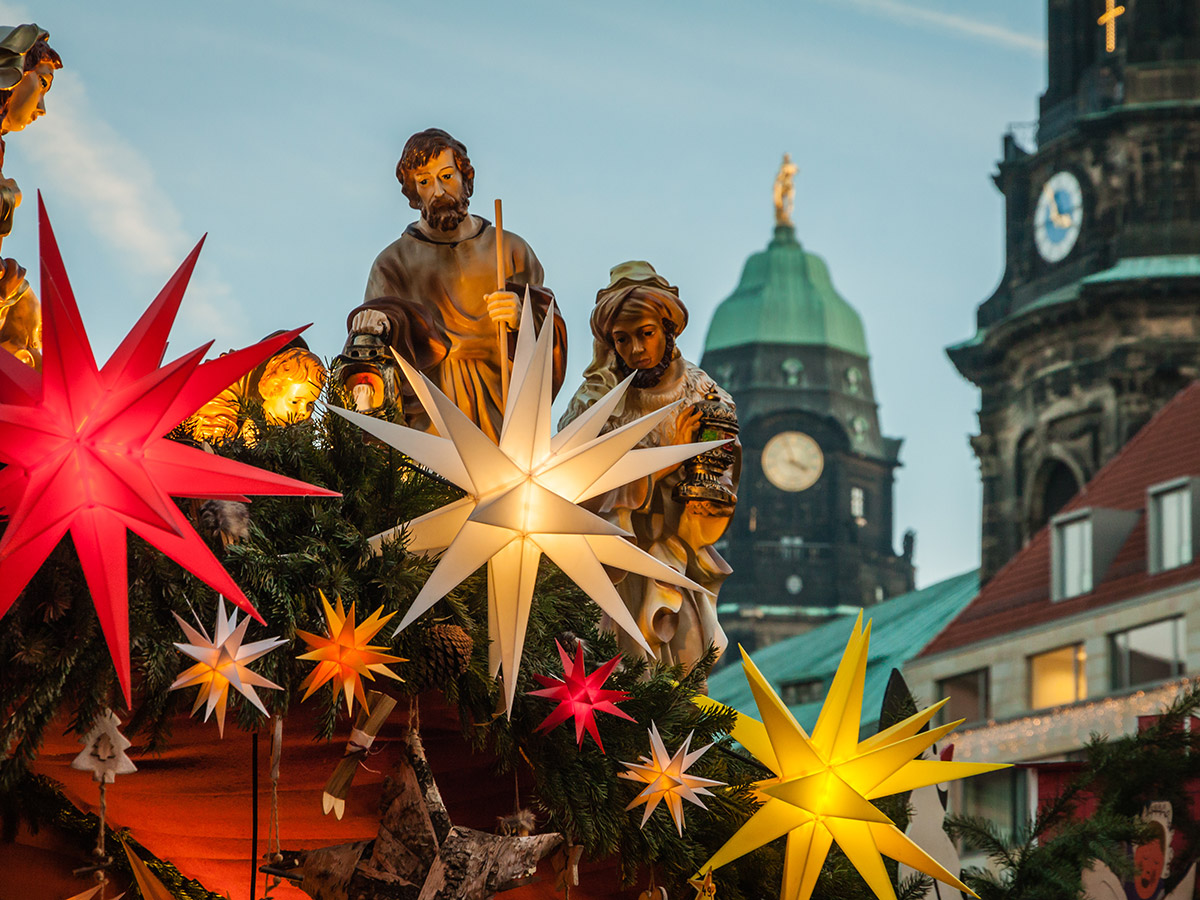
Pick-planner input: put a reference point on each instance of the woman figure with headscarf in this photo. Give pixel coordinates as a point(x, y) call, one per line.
point(634, 323)
point(27, 67)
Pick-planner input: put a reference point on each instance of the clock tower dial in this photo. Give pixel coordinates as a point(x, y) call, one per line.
point(792, 461)
point(1058, 216)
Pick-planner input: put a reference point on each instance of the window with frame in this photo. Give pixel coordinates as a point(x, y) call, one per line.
point(1171, 512)
point(1057, 677)
point(1073, 548)
point(858, 502)
point(968, 695)
point(808, 690)
point(1001, 798)
point(1146, 653)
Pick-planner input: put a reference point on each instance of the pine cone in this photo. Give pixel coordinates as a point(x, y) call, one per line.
point(444, 656)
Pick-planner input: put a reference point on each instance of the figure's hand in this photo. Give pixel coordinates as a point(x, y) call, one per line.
point(687, 423)
point(364, 397)
point(12, 277)
point(369, 321)
point(504, 307)
point(9, 187)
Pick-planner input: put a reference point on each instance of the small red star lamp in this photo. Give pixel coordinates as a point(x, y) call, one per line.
point(85, 451)
point(580, 695)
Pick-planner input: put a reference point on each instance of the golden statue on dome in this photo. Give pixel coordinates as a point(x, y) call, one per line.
point(785, 191)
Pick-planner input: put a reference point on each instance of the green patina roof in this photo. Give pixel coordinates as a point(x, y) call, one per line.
point(901, 628)
point(1134, 268)
point(785, 296)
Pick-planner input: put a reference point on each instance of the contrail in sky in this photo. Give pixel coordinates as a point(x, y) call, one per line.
point(974, 28)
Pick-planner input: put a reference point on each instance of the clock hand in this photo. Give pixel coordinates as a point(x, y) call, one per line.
point(1059, 219)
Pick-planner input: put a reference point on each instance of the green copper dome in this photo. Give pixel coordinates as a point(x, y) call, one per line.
point(786, 297)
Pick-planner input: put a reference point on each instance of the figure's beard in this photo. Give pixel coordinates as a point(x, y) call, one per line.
point(646, 378)
point(446, 213)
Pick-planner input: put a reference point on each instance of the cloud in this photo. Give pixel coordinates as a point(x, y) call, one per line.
point(973, 28)
point(114, 187)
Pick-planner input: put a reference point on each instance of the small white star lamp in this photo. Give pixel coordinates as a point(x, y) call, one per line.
point(824, 784)
point(523, 495)
point(223, 661)
point(666, 778)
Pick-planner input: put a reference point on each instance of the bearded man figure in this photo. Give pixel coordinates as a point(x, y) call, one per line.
point(634, 323)
point(432, 294)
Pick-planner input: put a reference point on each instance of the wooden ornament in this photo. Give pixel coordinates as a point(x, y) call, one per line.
point(418, 852)
point(366, 728)
point(103, 752)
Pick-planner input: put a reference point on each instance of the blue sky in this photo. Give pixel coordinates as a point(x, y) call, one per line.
point(612, 131)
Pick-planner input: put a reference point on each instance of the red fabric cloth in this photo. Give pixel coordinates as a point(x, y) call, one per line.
point(191, 804)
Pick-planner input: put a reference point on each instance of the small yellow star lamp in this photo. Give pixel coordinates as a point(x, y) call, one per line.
point(345, 654)
point(824, 784)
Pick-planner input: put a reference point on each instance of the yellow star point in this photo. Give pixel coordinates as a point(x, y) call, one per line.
point(523, 496)
point(346, 654)
point(824, 783)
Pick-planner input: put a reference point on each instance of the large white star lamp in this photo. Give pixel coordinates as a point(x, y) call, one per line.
point(523, 497)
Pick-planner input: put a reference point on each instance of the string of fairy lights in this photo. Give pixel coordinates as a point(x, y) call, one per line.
point(1058, 731)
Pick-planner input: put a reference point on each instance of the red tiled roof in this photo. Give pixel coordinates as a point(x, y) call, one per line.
point(1018, 596)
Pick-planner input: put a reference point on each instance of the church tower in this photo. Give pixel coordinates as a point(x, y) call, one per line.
point(813, 531)
point(1096, 321)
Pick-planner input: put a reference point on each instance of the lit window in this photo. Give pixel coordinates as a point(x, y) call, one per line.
point(810, 690)
point(1057, 677)
point(1073, 549)
point(858, 503)
point(1146, 653)
point(968, 696)
point(1171, 528)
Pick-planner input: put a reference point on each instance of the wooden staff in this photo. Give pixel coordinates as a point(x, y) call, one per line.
point(502, 328)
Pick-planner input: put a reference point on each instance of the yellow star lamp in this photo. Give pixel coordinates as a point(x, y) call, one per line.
point(221, 662)
point(666, 778)
point(346, 657)
point(523, 495)
point(823, 784)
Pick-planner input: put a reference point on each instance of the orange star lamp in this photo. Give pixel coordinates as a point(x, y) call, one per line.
point(345, 657)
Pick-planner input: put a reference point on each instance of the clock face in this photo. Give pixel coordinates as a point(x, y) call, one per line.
point(1058, 216)
point(792, 461)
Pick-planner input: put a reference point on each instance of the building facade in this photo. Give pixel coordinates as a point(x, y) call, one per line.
point(1094, 623)
point(813, 534)
point(1094, 325)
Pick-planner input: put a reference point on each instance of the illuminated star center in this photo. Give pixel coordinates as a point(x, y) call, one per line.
point(824, 785)
point(523, 496)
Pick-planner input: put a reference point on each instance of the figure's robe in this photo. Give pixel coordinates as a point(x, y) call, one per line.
point(677, 622)
point(433, 296)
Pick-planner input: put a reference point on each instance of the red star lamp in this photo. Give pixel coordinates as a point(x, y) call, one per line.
point(85, 451)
